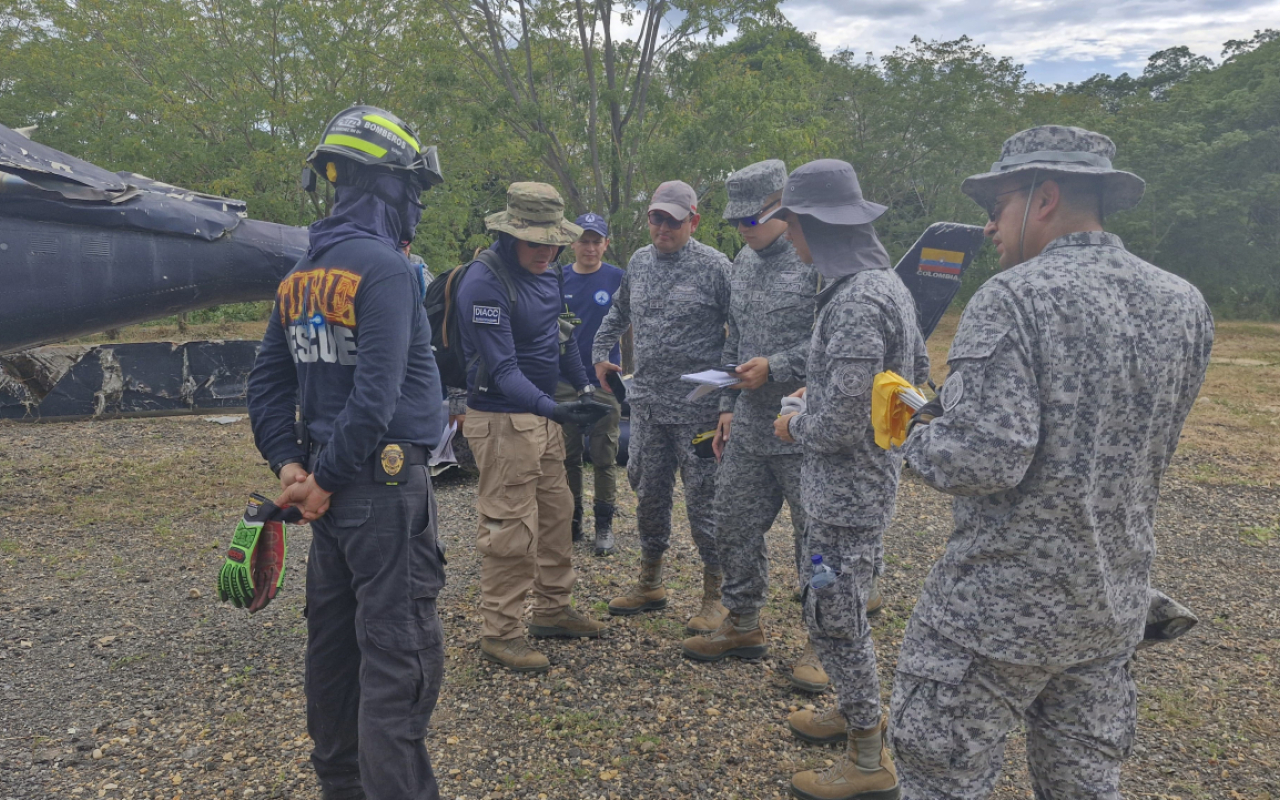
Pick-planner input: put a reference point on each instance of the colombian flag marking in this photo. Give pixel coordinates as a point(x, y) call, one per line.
point(941, 262)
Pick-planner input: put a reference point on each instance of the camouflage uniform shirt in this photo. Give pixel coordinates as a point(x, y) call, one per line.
point(866, 324)
point(772, 305)
point(1071, 376)
point(677, 304)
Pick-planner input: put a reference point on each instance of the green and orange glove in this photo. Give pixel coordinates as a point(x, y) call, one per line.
point(261, 529)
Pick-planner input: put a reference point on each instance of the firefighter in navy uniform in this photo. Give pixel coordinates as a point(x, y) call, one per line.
point(348, 342)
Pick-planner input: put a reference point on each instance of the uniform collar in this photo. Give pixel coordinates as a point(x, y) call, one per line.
point(1085, 239)
point(777, 248)
point(677, 255)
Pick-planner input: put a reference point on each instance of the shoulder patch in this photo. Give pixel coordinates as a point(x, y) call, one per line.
point(853, 380)
point(952, 391)
point(486, 315)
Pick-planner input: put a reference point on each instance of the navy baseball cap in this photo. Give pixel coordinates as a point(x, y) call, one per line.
point(594, 223)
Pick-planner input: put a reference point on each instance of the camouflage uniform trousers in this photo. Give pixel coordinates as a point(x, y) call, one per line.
point(837, 617)
point(604, 448)
point(655, 452)
point(750, 489)
point(952, 710)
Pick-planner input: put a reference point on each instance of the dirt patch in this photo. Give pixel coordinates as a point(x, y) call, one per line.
point(122, 676)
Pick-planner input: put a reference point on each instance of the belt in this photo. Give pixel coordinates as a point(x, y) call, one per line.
point(389, 464)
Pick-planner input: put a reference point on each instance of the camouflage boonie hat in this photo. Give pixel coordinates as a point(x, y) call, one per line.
point(1059, 150)
point(751, 187)
point(535, 213)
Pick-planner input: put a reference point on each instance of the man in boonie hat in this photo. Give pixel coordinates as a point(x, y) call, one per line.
point(675, 294)
point(515, 358)
point(1072, 372)
point(773, 295)
point(866, 324)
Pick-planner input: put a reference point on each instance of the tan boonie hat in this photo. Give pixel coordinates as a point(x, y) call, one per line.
point(676, 198)
point(1051, 150)
point(535, 213)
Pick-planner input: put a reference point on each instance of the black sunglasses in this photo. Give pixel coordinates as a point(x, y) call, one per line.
point(991, 209)
point(659, 220)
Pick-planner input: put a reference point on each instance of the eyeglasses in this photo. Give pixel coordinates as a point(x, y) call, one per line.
point(659, 220)
point(752, 221)
point(994, 209)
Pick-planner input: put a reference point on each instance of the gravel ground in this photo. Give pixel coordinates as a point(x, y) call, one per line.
point(121, 675)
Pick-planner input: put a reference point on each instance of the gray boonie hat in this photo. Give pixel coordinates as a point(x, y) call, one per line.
point(750, 188)
point(535, 213)
point(1059, 150)
point(828, 190)
point(676, 198)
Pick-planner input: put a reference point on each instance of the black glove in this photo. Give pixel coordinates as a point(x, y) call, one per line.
point(584, 413)
point(927, 413)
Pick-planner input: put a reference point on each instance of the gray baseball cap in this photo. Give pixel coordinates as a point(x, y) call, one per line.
point(1059, 150)
point(750, 188)
point(827, 190)
point(676, 198)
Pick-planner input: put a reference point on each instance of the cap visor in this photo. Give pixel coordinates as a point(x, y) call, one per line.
point(676, 212)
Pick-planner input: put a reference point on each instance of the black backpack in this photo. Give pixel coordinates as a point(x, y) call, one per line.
point(441, 302)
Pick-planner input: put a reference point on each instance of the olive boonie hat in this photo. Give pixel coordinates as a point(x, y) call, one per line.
point(535, 213)
point(750, 188)
point(1059, 150)
point(828, 190)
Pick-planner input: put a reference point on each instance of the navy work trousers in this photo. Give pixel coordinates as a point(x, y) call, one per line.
point(375, 653)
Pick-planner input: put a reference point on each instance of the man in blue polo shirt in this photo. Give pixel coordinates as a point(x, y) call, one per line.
point(588, 292)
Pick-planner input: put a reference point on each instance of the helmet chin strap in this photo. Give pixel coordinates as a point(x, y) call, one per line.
point(1026, 214)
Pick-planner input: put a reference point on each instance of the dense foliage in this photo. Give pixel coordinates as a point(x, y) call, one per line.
point(607, 98)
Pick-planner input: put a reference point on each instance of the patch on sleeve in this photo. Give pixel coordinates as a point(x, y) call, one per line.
point(486, 315)
point(952, 391)
point(853, 380)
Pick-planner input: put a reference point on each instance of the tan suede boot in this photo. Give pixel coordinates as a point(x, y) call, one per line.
point(819, 727)
point(875, 600)
point(712, 613)
point(808, 673)
point(514, 654)
point(727, 640)
point(647, 595)
point(568, 621)
point(865, 772)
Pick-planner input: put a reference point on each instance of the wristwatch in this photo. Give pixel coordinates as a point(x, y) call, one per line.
point(588, 392)
point(284, 463)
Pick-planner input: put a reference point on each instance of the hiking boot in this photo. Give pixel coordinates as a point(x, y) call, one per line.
point(576, 526)
point(711, 614)
point(604, 528)
point(727, 640)
point(647, 595)
point(808, 673)
point(514, 654)
point(875, 600)
point(864, 772)
point(568, 621)
point(819, 727)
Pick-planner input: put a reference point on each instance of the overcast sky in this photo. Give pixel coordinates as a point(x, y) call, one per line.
point(1057, 40)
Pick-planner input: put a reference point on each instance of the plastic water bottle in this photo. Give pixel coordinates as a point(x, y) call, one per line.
point(822, 574)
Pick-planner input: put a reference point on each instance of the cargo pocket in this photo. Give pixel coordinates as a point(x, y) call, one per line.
point(833, 609)
point(420, 642)
point(927, 704)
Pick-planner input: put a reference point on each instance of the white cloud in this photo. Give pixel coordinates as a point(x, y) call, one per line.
point(1055, 39)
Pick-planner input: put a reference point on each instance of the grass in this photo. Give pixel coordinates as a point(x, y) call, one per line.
point(1260, 537)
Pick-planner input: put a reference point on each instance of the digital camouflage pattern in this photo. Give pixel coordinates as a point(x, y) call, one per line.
point(534, 213)
point(866, 324)
point(677, 305)
point(772, 304)
point(952, 710)
point(836, 616)
point(749, 187)
point(1050, 151)
point(1071, 376)
point(750, 489)
point(656, 451)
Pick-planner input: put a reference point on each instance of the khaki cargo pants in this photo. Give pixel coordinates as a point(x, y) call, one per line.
point(525, 508)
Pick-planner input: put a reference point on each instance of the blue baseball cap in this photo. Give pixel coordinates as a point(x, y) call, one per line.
point(594, 223)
